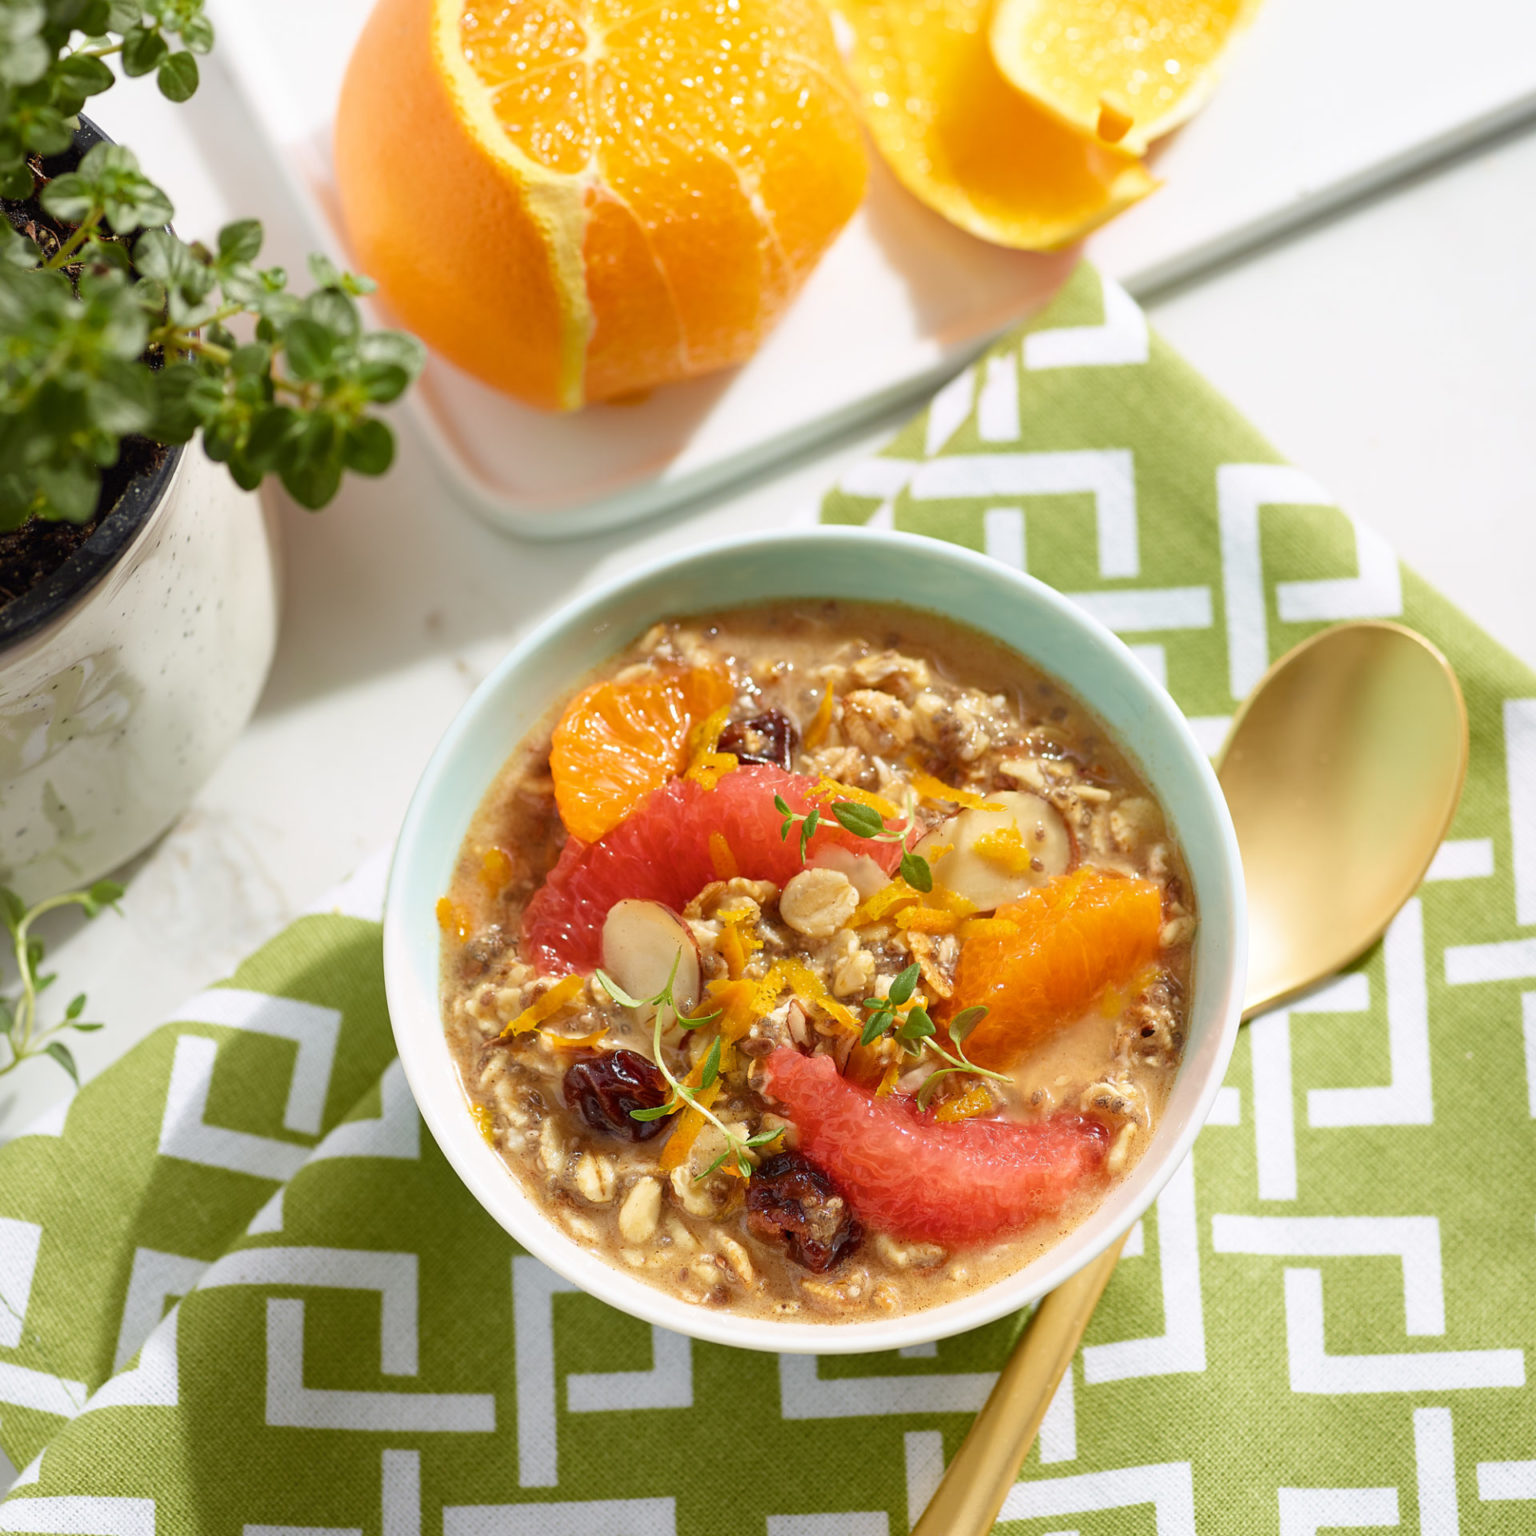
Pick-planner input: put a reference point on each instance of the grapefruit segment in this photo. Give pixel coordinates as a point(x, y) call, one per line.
point(905, 1173)
point(662, 852)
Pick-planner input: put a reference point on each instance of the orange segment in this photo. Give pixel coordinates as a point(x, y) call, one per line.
point(618, 741)
point(1041, 963)
point(1128, 72)
point(621, 193)
point(965, 141)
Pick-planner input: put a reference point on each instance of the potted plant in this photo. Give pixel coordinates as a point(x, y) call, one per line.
point(138, 576)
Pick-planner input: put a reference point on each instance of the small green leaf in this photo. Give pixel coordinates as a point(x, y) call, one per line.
point(83, 74)
point(309, 347)
point(618, 994)
point(874, 1027)
point(196, 33)
point(76, 1006)
point(781, 807)
point(177, 76)
point(143, 49)
point(61, 1054)
point(762, 1138)
point(965, 1021)
point(86, 1028)
point(16, 249)
point(926, 1092)
point(714, 1165)
point(918, 1026)
point(915, 871)
point(861, 820)
point(370, 447)
point(903, 985)
point(333, 310)
point(652, 1114)
point(240, 241)
point(324, 271)
point(808, 826)
point(711, 1064)
point(123, 15)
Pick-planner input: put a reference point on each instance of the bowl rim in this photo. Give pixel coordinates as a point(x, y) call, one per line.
point(481, 1168)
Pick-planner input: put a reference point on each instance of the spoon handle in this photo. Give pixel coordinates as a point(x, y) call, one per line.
point(987, 1464)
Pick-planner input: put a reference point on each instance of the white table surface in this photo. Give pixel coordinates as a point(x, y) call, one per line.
point(1391, 350)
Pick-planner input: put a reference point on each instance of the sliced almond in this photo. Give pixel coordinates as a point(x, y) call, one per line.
point(642, 941)
point(989, 882)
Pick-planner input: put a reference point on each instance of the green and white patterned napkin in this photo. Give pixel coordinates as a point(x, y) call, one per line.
point(1326, 1322)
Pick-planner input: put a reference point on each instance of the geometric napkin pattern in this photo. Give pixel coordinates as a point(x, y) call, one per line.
point(241, 1292)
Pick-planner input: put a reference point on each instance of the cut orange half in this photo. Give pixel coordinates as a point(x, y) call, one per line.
point(1126, 72)
point(580, 199)
point(965, 141)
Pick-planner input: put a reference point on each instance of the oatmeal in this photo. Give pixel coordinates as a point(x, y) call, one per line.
point(817, 960)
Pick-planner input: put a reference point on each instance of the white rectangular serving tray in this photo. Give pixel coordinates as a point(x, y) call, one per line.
point(1324, 100)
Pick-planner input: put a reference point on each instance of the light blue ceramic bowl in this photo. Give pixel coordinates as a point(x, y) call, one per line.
point(825, 562)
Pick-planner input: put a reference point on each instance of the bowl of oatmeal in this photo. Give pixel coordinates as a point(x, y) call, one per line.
point(824, 941)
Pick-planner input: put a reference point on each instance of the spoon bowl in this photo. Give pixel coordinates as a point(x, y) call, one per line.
point(1341, 771)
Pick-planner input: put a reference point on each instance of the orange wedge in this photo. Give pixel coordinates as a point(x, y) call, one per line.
point(618, 741)
point(575, 200)
point(1126, 72)
point(1050, 956)
point(965, 141)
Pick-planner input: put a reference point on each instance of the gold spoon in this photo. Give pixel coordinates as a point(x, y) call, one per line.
point(1342, 770)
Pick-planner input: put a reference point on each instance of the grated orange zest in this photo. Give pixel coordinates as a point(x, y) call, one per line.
point(705, 735)
point(739, 1000)
point(574, 1042)
point(722, 857)
point(1006, 849)
point(974, 1101)
point(986, 928)
point(928, 920)
point(544, 1007)
point(834, 789)
point(680, 1142)
point(807, 986)
point(485, 1123)
point(496, 868)
point(821, 722)
point(885, 901)
point(452, 918)
point(710, 767)
point(931, 788)
point(888, 1082)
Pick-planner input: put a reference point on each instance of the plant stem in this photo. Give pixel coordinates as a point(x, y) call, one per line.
point(26, 1008)
point(95, 53)
point(83, 232)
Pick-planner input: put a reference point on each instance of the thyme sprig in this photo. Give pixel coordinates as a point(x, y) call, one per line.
point(863, 821)
point(916, 1032)
point(684, 1095)
point(24, 1039)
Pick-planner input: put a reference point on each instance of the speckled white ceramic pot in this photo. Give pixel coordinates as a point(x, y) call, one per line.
point(128, 673)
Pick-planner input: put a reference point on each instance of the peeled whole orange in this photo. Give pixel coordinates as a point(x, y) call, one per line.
point(961, 138)
point(577, 201)
point(1128, 72)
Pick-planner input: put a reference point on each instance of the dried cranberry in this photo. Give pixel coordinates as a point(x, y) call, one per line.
point(789, 1197)
point(605, 1089)
point(770, 737)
